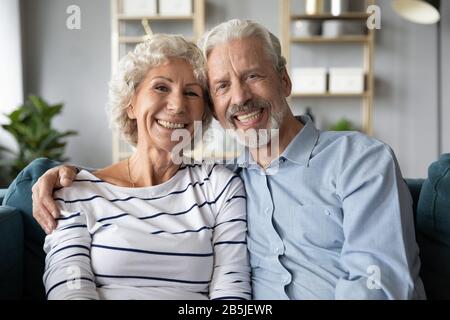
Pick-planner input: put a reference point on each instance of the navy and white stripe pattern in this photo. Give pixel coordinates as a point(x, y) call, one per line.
point(183, 239)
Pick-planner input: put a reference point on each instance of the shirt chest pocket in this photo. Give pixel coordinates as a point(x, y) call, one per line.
point(319, 226)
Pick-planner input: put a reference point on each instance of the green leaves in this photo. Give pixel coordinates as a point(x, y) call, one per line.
point(342, 125)
point(31, 126)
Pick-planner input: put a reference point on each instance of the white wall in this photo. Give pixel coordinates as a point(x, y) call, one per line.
point(405, 114)
point(72, 67)
point(11, 86)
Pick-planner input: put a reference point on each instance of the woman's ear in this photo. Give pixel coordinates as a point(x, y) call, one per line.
point(130, 111)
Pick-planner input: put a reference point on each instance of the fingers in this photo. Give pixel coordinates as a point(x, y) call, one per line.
point(66, 175)
point(42, 215)
point(45, 210)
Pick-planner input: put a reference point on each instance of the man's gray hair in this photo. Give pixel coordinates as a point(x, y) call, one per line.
point(133, 67)
point(240, 29)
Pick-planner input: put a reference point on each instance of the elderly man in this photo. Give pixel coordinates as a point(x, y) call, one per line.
point(329, 216)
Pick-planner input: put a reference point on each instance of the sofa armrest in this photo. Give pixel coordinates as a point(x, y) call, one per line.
point(11, 253)
point(433, 228)
point(19, 196)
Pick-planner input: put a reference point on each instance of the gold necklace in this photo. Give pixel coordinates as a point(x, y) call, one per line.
point(129, 173)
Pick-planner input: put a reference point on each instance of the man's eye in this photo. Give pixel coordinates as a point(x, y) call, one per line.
point(252, 76)
point(221, 86)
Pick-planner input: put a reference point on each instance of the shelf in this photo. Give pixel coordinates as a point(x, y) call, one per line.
point(322, 40)
point(154, 18)
point(329, 16)
point(330, 95)
point(363, 41)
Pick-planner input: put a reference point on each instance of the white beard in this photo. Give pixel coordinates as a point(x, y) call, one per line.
point(253, 139)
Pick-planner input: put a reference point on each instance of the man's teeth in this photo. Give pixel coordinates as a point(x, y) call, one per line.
point(250, 116)
point(171, 125)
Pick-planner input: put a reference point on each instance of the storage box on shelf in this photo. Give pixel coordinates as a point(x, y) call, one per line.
point(175, 7)
point(346, 80)
point(309, 80)
point(139, 7)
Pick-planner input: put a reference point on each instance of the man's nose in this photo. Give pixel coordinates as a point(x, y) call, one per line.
point(240, 93)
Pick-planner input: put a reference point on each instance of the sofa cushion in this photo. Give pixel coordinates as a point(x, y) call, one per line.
point(433, 226)
point(11, 253)
point(19, 196)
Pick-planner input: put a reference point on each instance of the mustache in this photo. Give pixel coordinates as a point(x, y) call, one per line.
point(247, 107)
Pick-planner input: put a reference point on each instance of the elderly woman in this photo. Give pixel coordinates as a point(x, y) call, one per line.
point(149, 227)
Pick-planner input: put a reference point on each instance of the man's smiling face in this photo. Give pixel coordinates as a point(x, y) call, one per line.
point(246, 89)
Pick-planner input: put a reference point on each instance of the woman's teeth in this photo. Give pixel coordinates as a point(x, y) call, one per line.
point(250, 116)
point(171, 125)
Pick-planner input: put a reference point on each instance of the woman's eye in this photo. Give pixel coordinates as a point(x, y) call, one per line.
point(162, 88)
point(192, 94)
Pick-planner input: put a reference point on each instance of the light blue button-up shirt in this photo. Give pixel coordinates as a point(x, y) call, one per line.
point(331, 218)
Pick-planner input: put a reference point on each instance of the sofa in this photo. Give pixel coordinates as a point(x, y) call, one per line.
point(21, 238)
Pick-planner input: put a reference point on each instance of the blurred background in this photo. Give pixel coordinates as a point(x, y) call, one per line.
point(390, 81)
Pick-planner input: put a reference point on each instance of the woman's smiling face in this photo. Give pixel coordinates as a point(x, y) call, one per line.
point(168, 98)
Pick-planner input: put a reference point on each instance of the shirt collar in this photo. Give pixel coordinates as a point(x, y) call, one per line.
point(299, 149)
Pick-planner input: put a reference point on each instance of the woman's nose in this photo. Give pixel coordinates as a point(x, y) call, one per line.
point(176, 103)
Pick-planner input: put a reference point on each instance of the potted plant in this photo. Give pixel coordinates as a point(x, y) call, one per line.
point(31, 126)
point(4, 172)
point(342, 125)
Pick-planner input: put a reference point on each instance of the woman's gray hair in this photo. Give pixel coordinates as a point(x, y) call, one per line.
point(134, 66)
point(240, 29)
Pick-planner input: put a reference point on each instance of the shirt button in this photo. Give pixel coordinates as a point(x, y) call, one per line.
point(278, 250)
point(267, 211)
point(287, 279)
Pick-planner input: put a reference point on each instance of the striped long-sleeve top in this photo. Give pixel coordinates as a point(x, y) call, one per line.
point(182, 239)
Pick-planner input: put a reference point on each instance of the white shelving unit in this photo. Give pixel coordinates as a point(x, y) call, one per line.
point(366, 40)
